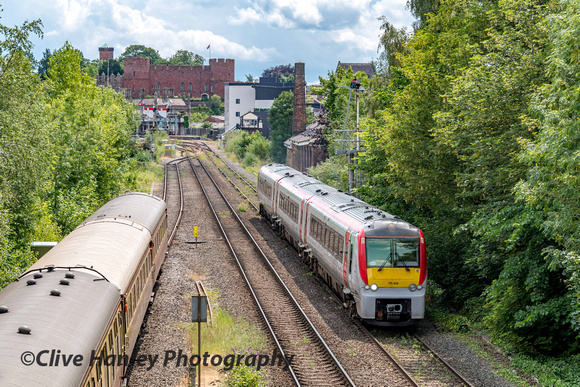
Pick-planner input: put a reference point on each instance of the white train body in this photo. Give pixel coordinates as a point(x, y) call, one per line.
point(374, 260)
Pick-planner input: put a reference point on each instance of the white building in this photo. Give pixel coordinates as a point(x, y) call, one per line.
point(241, 98)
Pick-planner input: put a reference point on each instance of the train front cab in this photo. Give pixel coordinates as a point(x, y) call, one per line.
point(393, 272)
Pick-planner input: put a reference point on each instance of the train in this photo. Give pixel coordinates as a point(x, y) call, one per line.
point(73, 318)
point(376, 262)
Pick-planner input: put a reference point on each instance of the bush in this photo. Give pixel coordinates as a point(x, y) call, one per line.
point(250, 150)
point(244, 376)
point(250, 160)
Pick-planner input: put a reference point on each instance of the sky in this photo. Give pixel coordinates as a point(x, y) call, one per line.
point(257, 34)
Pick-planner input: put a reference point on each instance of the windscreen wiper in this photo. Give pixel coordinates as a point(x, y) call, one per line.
point(400, 260)
point(384, 263)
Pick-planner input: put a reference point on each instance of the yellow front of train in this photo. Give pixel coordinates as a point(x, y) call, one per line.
point(393, 268)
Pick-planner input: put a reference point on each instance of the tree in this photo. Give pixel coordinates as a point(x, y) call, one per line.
point(111, 67)
point(140, 50)
point(421, 9)
point(186, 58)
point(280, 117)
point(393, 42)
point(23, 147)
point(279, 71)
point(217, 105)
point(550, 189)
point(250, 78)
point(43, 64)
point(91, 143)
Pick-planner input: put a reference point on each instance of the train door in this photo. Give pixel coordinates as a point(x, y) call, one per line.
point(352, 261)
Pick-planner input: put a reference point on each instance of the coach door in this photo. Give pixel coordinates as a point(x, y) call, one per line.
point(350, 259)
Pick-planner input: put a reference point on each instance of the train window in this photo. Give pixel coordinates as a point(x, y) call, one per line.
point(98, 369)
point(331, 242)
point(350, 260)
point(392, 252)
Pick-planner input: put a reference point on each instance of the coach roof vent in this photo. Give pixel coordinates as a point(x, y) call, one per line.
point(69, 276)
point(55, 292)
point(37, 275)
point(30, 282)
point(24, 330)
point(3, 309)
point(64, 282)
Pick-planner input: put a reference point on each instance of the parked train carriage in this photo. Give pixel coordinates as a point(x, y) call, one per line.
point(107, 268)
point(374, 260)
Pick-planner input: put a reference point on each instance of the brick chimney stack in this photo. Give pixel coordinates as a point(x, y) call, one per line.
point(105, 52)
point(299, 119)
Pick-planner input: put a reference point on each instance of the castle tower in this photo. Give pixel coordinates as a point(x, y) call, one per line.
point(106, 52)
point(299, 119)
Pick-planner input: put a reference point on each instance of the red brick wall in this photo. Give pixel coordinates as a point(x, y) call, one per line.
point(105, 53)
point(207, 80)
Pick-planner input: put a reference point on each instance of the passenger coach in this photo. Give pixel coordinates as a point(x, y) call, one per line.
point(375, 261)
point(73, 318)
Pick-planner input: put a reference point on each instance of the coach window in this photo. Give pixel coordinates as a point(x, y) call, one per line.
point(332, 242)
point(98, 369)
point(105, 368)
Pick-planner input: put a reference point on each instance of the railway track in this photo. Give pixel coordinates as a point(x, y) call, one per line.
point(240, 184)
point(310, 360)
point(170, 166)
point(419, 364)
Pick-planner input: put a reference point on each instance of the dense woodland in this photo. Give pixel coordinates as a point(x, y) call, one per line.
point(65, 147)
point(473, 134)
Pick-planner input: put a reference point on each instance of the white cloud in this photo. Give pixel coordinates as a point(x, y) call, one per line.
point(73, 14)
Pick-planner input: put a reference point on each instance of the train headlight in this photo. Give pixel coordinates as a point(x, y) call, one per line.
point(374, 287)
point(412, 287)
point(419, 287)
point(367, 287)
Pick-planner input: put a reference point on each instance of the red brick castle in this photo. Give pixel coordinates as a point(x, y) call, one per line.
point(140, 78)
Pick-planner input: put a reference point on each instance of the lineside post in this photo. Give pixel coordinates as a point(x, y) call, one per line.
point(199, 314)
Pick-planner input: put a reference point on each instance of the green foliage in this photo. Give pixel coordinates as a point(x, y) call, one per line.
point(337, 93)
point(217, 105)
point(44, 63)
point(136, 50)
point(65, 146)
point(250, 150)
point(393, 42)
point(560, 371)
point(244, 376)
point(422, 10)
point(553, 179)
point(472, 137)
point(333, 171)
point(185, 58)
point(111, 67)
point(281, 114)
